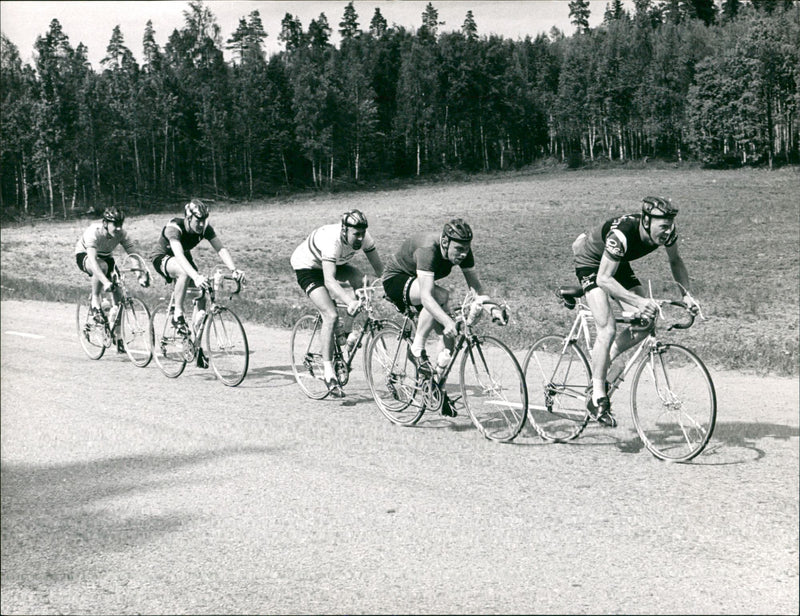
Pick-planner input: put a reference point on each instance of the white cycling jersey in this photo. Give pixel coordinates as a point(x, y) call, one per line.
point(325, 244)
point(95, 236)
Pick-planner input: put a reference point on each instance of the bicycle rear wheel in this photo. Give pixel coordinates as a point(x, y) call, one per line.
point(92, 335)
point(673, 402)
point(307, 356)
point(392, 377)
point(226, 342)
point(136, 331)
point(167, 344)
point(557, 378)
point(493, 389)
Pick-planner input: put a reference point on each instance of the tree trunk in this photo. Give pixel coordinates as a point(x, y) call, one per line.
point(74, 187)
point(24, 187)
point(50, 189)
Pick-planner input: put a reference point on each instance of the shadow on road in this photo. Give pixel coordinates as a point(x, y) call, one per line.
point(53, 528)
point(731, 443)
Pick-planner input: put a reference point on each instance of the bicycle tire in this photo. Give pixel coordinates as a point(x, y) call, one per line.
point(91, 335)
point(166, 344)
point(226, 344)
point(392, 377)
point(493, 389)
point(306, 349)
point(135, 331)
point(557, 378)
point(674, 403)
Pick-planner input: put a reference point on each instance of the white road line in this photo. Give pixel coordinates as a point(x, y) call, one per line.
point(24, 334)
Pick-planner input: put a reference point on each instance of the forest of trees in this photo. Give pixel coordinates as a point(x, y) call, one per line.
point(673, 79)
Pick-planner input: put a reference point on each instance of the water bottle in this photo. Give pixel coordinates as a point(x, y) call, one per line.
point(351, 340)
point(199, 315)
point(443, 360)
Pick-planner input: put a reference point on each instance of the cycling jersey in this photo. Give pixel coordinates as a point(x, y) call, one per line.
point(325, 244)
point(95, 237)
point(421, 252)
point(176, 229)
point(618, 238)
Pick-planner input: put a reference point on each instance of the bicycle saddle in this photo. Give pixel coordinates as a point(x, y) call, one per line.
point(568, 295)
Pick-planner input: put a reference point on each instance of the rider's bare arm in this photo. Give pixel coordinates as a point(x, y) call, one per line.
point(335, 288)
point(607, 282)
point(224, 253)
point(177, 252)
point(474, 283)
point(678, 267)
point(426, 284)
point(94, 264)
point(375, 261)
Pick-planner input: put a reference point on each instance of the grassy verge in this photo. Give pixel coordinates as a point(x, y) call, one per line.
point(739, 236)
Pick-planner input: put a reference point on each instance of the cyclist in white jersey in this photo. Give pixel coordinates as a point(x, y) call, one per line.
point(93, 255)
point(321, 264)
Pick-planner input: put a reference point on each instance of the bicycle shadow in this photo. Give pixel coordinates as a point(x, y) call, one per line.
point(731, 442)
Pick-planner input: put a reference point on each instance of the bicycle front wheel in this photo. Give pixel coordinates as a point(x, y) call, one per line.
point(136, 331)
point(557, 377)
point(307, 356)
point(673, 402)
point(92, 335)
point(493, 389)
point(166, 343)
point(226, 342)
point(392, 377)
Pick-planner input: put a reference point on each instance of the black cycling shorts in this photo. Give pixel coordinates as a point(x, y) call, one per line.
point(624, 275)
point(310, 279)
point(397, 289)
point(80, 259)
point(160, 262)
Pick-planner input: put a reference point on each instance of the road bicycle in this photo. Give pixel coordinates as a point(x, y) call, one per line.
point(492, 384)
point(124, 324)
point(306, 343)
point(672, 397)
point(216, 333)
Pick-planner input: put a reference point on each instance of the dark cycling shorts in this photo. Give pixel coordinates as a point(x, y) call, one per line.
point(80, 259)
point(310, 279)
point(624, 275)
point(397, 289)
point(160, 265)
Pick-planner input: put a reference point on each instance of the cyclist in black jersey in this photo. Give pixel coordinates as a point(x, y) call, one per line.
point(602, 265)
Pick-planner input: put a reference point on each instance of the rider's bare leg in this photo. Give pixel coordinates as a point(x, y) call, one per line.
point(600, 305)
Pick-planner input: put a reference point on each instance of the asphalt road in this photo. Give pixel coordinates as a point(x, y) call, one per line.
point(126, 492)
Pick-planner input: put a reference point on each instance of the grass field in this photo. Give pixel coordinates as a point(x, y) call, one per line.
point(739, 236)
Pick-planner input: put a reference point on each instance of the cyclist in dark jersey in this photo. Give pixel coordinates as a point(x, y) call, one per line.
point(409, 281)
point(602, 265)
point(173, 257)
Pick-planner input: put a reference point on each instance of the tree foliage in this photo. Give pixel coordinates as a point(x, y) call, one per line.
point(674, 79)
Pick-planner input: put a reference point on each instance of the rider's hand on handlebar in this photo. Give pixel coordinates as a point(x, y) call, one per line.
point(353, 306)
point(691, 304)
point(482, 299)
point(201, 282)
point(108, 286)
point(648, 309)
point(239, 276)
point(144, 279)
point(450, 328)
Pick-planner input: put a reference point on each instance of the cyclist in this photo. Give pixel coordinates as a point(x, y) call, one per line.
point(320, 264)
point(173, 260)
point(602, 264)
point(410, 283)
point(93, 254)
